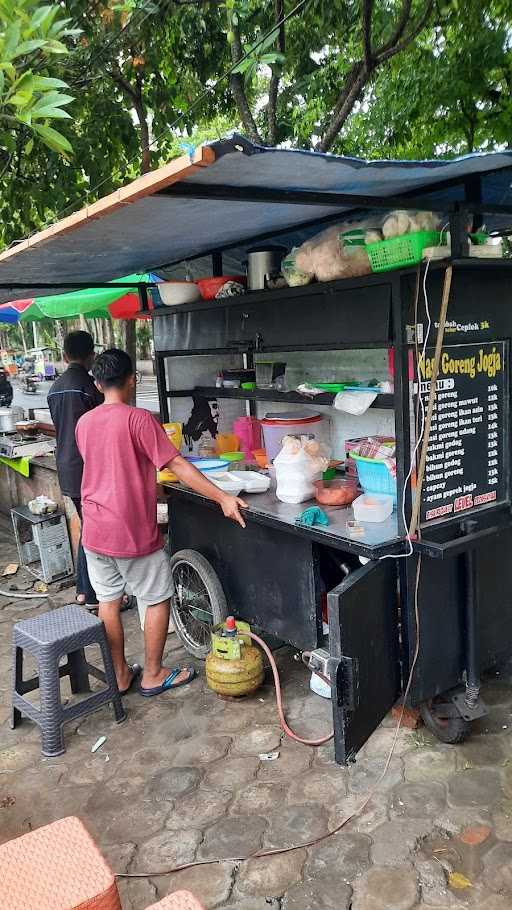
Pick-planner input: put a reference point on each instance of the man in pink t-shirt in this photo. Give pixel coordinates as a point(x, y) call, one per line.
point(121, 446)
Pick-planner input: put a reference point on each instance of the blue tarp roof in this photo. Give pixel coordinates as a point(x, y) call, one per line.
point(142, 229)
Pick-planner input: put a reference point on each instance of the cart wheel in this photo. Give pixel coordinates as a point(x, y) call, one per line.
point(199, 602)
point(447, 729)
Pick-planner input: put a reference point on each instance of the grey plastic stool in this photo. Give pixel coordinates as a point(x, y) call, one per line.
point(66, 631)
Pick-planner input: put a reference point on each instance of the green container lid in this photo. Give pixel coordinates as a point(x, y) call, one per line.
point(233, 456)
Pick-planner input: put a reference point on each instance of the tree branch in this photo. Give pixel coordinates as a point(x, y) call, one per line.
point(135, 95)
point(386, 52)
point(367, 13)
point(236, 84)
point(399, 29)
point(354, 85)
point(362, 71)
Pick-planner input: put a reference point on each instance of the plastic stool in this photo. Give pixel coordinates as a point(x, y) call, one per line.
point(58, 867)
point(66, 631)
point(180, 900)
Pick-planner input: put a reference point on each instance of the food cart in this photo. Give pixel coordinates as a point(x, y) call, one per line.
point(420, 617)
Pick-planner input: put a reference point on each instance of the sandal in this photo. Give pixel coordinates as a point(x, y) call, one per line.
point(136, 671)
point(169, 683)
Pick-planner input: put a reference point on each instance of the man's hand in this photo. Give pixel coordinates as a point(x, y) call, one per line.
point(231, 506)
point(188, 474)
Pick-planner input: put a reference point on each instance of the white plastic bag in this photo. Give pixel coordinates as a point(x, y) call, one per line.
point(300, 462)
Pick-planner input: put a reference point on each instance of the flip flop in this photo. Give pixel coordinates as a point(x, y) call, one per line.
point(169, 683)
point(136, 670)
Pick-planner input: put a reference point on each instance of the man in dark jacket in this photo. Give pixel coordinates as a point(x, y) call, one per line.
point(6, 390)
point(71, 396)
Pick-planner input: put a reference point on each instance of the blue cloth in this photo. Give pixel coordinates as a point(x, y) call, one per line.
point(312, 516)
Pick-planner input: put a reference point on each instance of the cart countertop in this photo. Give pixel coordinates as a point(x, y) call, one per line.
point(378, 538)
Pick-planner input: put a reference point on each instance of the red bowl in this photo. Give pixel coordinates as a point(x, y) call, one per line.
point(210, 287)
point(336, 492)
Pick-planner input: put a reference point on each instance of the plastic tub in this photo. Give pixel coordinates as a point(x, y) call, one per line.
point(211, 465)
point(276, 426)
point(375, 476)
point(372, 507)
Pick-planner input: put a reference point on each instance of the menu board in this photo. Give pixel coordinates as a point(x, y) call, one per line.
point(467, 458)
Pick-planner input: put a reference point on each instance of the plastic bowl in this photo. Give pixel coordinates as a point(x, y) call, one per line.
point(210, 287)
point(336, 492)
point(175, 293)
point(233, 456)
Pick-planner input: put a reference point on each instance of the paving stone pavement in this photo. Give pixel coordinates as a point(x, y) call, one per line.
point(182, 780)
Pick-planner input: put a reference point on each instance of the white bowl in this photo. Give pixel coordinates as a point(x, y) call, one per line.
point(174, 293)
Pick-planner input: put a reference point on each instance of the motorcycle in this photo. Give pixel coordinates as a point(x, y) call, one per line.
point(29, 386)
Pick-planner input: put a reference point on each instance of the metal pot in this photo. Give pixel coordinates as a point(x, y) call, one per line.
point(9, 417)
point(263, 263)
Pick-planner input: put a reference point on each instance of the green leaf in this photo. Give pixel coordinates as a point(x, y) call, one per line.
point(28, 147)
point(11, 40)
point(42, 83)
point(27, 47)
point(53, 139)
point(20, 99)
point(8, 142)
point(41, 16)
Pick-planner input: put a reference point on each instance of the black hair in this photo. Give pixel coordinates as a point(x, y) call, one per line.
point(112, 368)
point(78, 345)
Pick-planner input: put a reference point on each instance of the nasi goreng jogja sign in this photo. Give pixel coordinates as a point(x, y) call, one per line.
point(467, 457)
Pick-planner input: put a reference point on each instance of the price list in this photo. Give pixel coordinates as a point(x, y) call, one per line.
point(467, 456)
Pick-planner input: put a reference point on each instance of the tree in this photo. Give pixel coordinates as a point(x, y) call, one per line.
point(32, 36)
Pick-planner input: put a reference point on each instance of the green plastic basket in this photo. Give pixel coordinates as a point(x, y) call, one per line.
point(400, 251)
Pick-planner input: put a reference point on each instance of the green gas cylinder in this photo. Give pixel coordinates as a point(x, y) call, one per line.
point(233, 667)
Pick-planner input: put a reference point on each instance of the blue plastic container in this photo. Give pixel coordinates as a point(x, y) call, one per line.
point(374, 476)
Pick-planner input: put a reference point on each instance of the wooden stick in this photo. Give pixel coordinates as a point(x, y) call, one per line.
point(431, 400)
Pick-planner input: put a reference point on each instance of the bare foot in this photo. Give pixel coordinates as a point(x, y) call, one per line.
point(124, 680)
point(80, 599)
point(151, 681)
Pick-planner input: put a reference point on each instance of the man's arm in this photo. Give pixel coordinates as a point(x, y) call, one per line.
point(193, 478)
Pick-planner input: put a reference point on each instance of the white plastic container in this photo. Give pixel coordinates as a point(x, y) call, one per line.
point(373, 507)
point(276, 426)
point(251, 481)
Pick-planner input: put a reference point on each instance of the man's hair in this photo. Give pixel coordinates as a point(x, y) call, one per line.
point(78, 345)
point(112, 368)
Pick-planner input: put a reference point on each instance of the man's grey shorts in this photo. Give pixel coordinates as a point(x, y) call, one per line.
point(149, 578)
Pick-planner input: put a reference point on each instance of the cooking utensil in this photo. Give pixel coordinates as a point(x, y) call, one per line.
point(263, 264)
point(9, 417)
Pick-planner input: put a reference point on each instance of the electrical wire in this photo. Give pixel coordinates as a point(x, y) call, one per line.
point(419, 437)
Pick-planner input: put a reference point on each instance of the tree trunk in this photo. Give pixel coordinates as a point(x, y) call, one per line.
point(109, 334)
point(23, 339)
point(130, 346)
